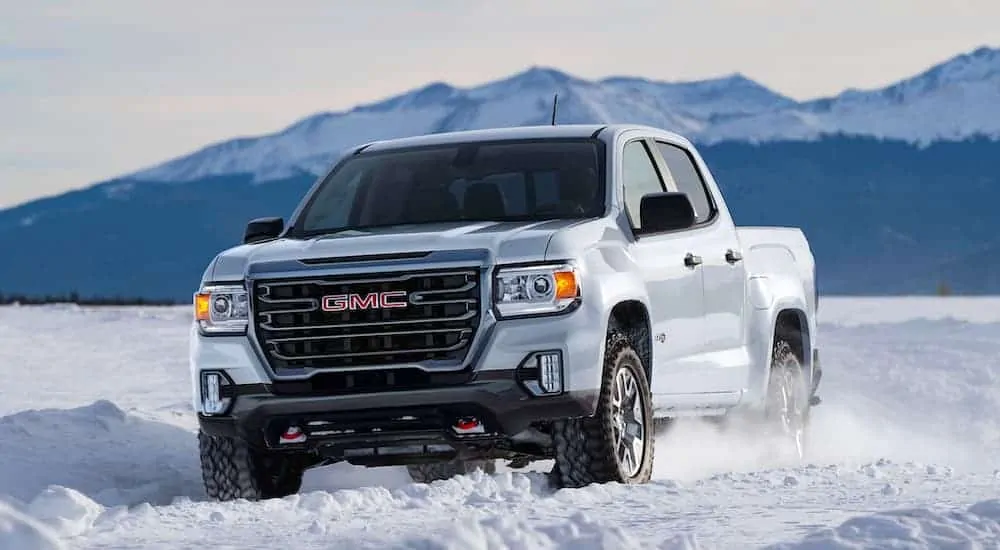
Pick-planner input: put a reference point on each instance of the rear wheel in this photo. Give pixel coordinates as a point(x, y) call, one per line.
point(231, 469)
point(434, 471)
point(616, 444)
point(787, 408)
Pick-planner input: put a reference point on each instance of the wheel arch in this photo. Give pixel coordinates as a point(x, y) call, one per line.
point(792, 325)
point(788, 318)
point(631, 317)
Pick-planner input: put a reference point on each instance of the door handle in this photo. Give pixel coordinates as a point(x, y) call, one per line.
point(691, 260)
point(732, 256)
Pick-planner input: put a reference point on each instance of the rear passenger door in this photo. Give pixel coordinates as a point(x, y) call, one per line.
point(724, 359)
point(675, 291)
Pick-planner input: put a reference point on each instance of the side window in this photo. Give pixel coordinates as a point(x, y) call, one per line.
point(639, 177)
point(686, 176)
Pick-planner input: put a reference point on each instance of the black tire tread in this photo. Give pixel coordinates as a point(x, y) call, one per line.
point(583, 446)
point(227, 468)
point(782, 351)
point(231, 470)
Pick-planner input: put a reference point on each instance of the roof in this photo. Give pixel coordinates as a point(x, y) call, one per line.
point(489, 134)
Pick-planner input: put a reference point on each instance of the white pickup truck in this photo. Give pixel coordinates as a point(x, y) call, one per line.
point(520, 294)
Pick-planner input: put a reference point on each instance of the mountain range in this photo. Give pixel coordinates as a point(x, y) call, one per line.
point(900, 180)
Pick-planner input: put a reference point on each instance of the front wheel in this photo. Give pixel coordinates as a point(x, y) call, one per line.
point(231, 469)
point(616, 444)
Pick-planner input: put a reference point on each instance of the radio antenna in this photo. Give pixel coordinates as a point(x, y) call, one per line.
point(555, 102)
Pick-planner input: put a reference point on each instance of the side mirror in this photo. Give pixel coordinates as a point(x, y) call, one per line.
point(665, 212)
point(263, 229)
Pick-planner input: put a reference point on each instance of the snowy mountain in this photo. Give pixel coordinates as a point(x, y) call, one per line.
point(310, 145)
point(954, 100)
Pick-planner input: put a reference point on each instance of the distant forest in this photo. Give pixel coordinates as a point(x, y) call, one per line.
point(75, 298)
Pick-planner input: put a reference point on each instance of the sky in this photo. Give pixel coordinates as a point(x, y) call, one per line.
point(98, 89)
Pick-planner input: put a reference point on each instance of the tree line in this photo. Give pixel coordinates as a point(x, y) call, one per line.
point(76, 298)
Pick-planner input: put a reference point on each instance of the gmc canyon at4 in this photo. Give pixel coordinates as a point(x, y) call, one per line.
point(519, 294)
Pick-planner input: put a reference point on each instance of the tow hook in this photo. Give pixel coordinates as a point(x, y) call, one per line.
point(293, 434)
point(468, 425)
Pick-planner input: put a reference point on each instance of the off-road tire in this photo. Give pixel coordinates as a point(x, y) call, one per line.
point(787, 377)
point(435, 471)
point(585, 448)
point(232, 470)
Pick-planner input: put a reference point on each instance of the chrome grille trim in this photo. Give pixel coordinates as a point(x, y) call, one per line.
point(439, 323)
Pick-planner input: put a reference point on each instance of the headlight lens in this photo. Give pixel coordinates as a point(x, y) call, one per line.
point(222, 309)
point(535, 290)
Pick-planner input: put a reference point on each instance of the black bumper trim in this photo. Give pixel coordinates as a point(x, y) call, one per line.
point(505, 406)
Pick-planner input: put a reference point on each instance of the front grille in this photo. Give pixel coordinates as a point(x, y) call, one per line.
point(438, 322)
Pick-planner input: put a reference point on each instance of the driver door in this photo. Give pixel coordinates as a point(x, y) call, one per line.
point(674, 285)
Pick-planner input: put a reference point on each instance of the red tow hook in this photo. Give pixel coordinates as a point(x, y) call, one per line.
point(293, 434)
point(468, 425)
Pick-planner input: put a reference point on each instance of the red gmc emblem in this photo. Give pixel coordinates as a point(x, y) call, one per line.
point(374, 300)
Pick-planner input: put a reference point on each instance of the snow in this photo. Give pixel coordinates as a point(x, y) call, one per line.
point(117, 458)
point(952, 101)
point(912, 528)
point(869, 311)
point(66, 511)
point(19, 531)
point(97, 450)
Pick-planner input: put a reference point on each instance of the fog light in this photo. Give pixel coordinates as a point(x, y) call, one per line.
point(541, 373)
point(550, 372)
point(212, 399)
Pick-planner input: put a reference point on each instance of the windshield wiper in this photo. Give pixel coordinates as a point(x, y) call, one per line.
point(338, 230)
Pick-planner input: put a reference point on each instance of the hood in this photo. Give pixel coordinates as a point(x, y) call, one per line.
point(495, 242)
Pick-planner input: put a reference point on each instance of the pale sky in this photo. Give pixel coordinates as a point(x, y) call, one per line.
point(96, 89)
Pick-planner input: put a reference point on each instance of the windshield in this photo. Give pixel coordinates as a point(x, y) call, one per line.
point(493, 181)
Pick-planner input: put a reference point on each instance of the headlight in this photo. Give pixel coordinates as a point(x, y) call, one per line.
point(535, 290)
point(222, 309)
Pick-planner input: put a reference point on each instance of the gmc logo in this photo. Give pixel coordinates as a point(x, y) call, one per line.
point(374, 300)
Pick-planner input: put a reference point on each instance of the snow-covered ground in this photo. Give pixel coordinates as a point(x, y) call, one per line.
point(97, 450)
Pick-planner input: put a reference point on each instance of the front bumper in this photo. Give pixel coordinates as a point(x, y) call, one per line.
point(502, 345)
point(407, 422)
point(352, 410)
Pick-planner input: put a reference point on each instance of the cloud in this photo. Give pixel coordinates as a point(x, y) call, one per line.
point(9, 52)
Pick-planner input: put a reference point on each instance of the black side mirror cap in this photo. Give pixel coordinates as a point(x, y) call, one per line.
point(263, 229)
point(660, 212)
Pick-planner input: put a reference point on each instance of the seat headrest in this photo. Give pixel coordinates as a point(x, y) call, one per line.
point(483, 200)
point(431, 203)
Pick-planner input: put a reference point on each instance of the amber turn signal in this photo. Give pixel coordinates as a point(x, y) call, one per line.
point(566, 285)
point(201, 306)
